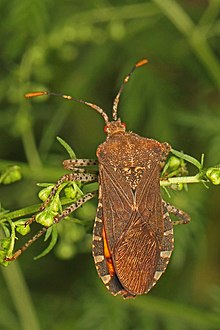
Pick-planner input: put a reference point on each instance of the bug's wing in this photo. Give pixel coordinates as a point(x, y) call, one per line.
point(136, 256)
point(132, 238)
point(116, 205)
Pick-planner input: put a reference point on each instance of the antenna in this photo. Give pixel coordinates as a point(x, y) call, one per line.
point(70, 98)
point(126, 79)
point(91, 105)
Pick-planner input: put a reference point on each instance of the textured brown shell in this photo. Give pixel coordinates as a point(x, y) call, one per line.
point(132, 211)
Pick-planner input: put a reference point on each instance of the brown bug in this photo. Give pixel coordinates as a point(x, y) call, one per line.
point(133, 233)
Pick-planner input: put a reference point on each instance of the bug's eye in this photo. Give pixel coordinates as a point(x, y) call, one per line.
point(106, 129)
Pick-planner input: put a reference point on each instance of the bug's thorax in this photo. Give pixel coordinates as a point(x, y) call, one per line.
point(130, 155)
point(123, 148)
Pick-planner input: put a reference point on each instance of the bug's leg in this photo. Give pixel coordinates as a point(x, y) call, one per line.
point(57, 219)
point(84, 177)
point(71, 208)
point(166, 248)
point(183, 217)
point(73, 164)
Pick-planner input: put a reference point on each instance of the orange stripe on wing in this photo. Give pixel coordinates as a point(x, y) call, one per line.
point(107, 254)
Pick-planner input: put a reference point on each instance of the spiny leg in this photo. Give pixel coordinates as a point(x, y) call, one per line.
point(166, 248)
point(74, 164)
point(57, 219)
point(71, 208)
point(84, 177)
point(81, 170)
point(183, 217)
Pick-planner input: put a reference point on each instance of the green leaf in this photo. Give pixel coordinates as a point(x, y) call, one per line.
point(188, 158)
point(54, 236)
point(67, 147)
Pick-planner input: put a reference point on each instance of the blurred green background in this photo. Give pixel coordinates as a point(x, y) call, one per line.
point(85, 49)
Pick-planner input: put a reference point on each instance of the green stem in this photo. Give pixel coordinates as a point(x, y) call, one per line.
point(183, 179)
point(26, 211)
point(23, 116)
point(21, 297)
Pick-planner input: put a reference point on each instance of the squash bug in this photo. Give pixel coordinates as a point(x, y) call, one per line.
point(133, 233)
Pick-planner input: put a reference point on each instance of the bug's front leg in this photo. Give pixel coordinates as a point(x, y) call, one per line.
point(183, 217)
point(74, 164)
point(71, 208)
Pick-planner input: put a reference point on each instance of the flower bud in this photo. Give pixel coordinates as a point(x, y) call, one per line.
point(22, 229)
point(174, 162)
point(70, 192)
point(11, 175)
point(44, 193)
point(213, 174)
point(45, 218)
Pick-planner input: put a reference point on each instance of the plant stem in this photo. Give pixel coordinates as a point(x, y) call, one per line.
point(184, 179)
point(21, 297)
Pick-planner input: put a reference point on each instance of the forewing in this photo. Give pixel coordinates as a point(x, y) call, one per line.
point(135, 257)
point(134, 227)
point(149, 202)
point(117, 204)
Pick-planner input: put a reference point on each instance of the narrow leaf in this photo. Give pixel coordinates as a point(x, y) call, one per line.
point(67, 147)
point(54, 236)
point(188, 158)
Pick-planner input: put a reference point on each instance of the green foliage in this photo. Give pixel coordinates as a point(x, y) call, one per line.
point(10, 175)
point(172, 177)
point(85, 49)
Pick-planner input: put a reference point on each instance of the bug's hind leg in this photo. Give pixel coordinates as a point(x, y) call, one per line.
point(183, 217)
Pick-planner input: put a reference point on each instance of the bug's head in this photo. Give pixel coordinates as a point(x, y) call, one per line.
point(114, 127)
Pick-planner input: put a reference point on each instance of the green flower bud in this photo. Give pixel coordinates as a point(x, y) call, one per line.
point(22, 229)
point(174, 162)
point(213, 174)
point(44, 193)
point(177, 186)
point(55, 204)
point(70, 192)
point(11, 174)
point(45, 218)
